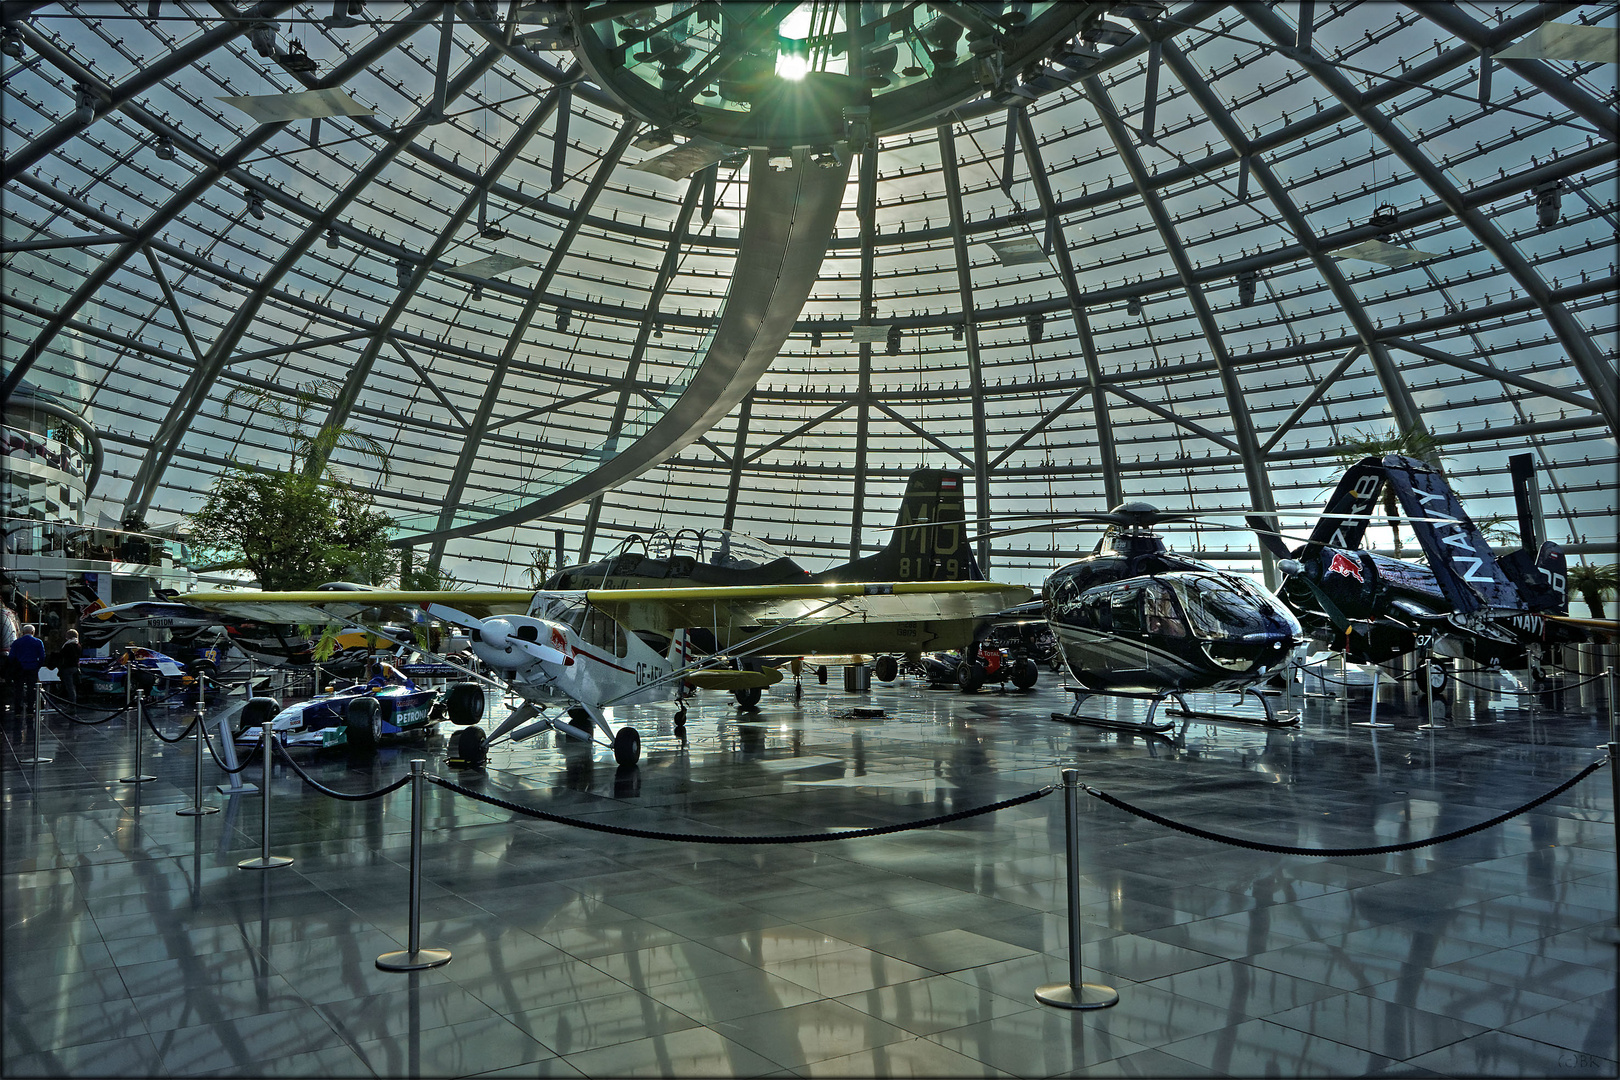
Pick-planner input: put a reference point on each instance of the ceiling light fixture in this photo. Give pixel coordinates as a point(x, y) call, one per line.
point(1549, 203)
point(1247, 283)
point(164, 148)
point(255, 205)
point(11, 42)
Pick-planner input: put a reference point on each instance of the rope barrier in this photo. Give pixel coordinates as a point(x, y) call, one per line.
point(165, 738)
point(1281, 849)
point(799, 838)
point(333, 793)
point(209, 742)
point(57, 704)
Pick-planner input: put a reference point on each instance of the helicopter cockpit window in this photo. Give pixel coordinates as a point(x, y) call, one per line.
point(1126, 608)
point(1227, 606)
point(1163, 616)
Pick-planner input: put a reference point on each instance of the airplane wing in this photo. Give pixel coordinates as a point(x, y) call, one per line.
point(1609, 628)
point(316, 606)
point(667, 610)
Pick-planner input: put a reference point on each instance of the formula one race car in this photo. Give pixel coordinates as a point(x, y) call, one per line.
point(948, 669)
point(160, 675)
point(360, 717)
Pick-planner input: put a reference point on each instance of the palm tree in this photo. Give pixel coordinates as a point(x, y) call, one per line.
point(1414, 442)
point(1592, 582)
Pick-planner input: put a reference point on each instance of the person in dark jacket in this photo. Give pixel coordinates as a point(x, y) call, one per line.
point(27, 654)
point(67, 666)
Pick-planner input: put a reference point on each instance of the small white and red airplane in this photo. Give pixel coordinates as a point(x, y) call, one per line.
point(572, 655)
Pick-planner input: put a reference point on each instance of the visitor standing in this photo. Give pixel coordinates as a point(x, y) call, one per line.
point(27, 653)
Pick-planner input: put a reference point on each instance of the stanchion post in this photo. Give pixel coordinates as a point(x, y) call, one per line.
point(1611, 689)
point(1076, 993)
point(39, 706)
point(265, 861)
point(197, 809)
point(1611, 934)
point(138, 777)
point(415, 958)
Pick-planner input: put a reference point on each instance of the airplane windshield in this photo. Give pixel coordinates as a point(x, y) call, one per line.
point(713, 547)
point(1228, 606)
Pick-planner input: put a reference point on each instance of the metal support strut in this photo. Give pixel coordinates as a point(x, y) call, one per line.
point(138, 777)
point(265, 861)
point(415, 958)
point(197, 809)
point(1076, 993)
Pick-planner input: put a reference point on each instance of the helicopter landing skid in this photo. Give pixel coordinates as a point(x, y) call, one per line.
point(1142, 727)
point(1271, 720)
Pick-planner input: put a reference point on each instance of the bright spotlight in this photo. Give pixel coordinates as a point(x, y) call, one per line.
point(791, 66)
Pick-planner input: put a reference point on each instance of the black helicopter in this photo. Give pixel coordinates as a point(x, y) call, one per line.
point(1463, 601)
point(1134, 619)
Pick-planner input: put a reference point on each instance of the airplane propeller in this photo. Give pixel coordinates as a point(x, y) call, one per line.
point(492, 633)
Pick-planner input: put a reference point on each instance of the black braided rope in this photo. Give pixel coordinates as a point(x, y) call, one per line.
point(799, 838)
point(1280, 849)
point(148, 714)
point(71, 713)
point(209, 742)
point(347, 796)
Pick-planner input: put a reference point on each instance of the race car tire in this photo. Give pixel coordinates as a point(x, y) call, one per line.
point(465, 703)
point(885, 669)
point(1025, 673)
point(144, 678)
point(256, 713)
point(627, 746)
point(747, 698)
point(363, 724)
point(471, 746)
point(969, 676)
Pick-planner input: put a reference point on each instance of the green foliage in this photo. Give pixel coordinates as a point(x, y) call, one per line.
point(1592, 582)
point(419, 575)
point(302, 526)
point(539, 568)
point(1414, 442)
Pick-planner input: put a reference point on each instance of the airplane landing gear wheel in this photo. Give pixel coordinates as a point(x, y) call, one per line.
point(627, 746)
point(364, 726)
point(885, 669)
point(471, 747)
point(749, 696)
point(969, 676)
point(1025, 672)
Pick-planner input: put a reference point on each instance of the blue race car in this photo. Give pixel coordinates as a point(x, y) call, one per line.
point(360, 717)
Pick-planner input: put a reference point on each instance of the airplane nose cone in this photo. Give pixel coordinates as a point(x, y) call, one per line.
point(1290, 566)
point(492, 634)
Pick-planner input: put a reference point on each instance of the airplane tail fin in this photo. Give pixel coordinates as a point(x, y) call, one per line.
point(1542, 581)
point(681, 650)
point(929, 542)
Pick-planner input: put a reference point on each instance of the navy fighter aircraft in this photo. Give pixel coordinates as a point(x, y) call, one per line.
point(1462, 601)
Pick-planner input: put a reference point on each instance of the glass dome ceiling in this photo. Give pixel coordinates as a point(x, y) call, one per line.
point(1181, 253)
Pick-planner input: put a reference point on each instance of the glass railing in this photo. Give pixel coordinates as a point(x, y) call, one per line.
point(63, 540)
point(636, 424)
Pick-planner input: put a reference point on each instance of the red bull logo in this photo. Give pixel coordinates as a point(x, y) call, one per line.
point(1343, 564)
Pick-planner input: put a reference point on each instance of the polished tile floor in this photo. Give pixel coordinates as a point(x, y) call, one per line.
point(134, 946)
